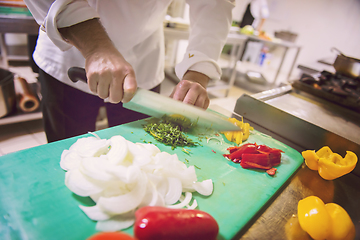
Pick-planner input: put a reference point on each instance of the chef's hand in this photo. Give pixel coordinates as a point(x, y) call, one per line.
point(109, 74)
point(192, 90)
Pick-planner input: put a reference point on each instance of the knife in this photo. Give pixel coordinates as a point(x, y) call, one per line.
point(156, 105)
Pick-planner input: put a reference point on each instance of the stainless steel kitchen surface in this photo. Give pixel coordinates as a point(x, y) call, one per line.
point(322, 113)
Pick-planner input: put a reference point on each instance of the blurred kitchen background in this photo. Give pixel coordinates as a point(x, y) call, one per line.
point(295, 38)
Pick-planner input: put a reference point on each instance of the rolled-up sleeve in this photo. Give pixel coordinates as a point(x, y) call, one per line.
point(210, 22)
point(51, 15)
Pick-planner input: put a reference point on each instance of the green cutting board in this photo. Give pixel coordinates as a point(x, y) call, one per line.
point(36, 204)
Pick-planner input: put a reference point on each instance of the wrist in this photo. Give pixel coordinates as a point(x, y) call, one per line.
point(198, 77)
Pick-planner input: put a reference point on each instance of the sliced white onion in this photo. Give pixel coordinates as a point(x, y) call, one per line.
point(151, 148)
point(118, 150)
point(183, 203)
point(81, 185)
point(95, 213)
point(128, 174)
point(120, 172)
point(193, 205)
point(90, 146)
point(187, 176)
point(114, 188)
point(69, 160)
point(126, 202)
point(115, 223)
point(174, 190)
point(159, 183)
point(121, 176)
point(204, 188)
point(152, 197)
point(95, 167)
point(141, 155)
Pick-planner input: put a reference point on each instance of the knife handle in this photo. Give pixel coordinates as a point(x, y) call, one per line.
point(77, 74)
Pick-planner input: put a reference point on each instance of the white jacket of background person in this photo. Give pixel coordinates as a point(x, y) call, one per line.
point(136, 29)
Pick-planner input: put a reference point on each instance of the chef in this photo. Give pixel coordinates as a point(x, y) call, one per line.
point(257, 11)
point(121, 45)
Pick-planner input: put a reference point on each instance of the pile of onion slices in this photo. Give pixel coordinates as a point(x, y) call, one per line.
point(121, 176)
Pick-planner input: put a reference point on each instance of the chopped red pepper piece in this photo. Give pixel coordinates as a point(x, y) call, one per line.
point(251, 155)
point(261, 160)
point(246, 148)
point(263, 148)
point(271, 171)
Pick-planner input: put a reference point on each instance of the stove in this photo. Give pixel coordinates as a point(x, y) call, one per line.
point(334, 87)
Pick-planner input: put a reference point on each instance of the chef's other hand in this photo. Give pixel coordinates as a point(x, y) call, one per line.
point(109, 74)
point(192, 90)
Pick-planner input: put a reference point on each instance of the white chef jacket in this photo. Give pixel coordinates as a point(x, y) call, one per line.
point(136, 29)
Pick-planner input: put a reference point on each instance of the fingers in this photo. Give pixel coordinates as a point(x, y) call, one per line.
point(103, 85)
point(129, 87)
point(191, 93)
point(93, 80)
point(119, 85)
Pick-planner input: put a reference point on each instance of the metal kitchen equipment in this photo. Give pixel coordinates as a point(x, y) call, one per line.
point(345, 65)
point(336, 88)
point(7, 92)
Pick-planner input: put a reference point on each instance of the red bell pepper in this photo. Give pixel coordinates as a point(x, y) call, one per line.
point(111, 236)
point(163, 223)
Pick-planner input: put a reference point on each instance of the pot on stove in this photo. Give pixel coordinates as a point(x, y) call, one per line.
point(7, 92)
point(345, 65)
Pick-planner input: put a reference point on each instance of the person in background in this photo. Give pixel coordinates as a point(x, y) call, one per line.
point(256, 13)
point(121, 45)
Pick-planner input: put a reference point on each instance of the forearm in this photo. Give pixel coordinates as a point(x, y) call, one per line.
point(89, 37)
point(109, 74)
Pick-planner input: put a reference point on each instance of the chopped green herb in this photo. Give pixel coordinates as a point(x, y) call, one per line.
point(197, 167)
point(187, 161)
point(186, 151)
point(168, 132)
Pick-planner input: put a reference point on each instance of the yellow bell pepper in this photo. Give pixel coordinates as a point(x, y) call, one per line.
point(341, 225)
point(294, 231)
point(330, 165)
point(314, 218)
point(238, 136)
point(325, 221)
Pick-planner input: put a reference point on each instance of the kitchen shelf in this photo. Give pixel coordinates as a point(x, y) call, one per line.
point(17, 53)
point(20, 117)
point(18, 24)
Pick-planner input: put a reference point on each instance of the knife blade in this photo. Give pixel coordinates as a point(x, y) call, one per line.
point(157, 105)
